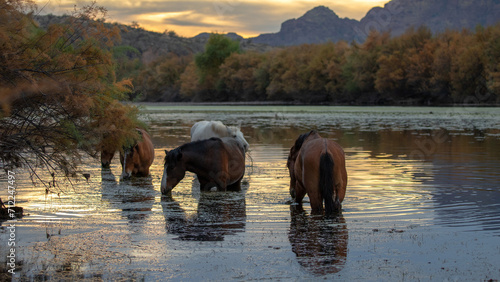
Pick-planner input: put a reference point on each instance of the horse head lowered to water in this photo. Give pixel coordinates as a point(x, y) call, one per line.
point(208, 129)
point(137, 158)
point(317, 167)
point(218, 162)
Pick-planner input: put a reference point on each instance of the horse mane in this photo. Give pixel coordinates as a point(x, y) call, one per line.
point(220, 129)
point(300, 141)
point(200, 145)
point(171, 156)
point(233, 130)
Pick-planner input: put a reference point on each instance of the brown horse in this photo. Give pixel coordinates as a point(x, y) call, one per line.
point(137, 159)
point(106, 157)
point(217, 163)
point(317, 167)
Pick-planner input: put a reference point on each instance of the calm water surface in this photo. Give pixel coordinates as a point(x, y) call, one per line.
point(423, 203)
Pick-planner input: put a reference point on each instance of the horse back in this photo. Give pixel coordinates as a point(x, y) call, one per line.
point(206, 129)
point(146, 149)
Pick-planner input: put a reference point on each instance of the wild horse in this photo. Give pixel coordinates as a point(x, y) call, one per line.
point(317, 167)
point(137, 159)
point(217, 162)
point(208, 129)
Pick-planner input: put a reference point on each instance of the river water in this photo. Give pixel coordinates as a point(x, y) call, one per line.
point(422, 203)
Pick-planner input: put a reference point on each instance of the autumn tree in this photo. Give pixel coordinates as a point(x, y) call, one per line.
point(58, 91)
point(492, 53)
point(361, 66)
point(161, 79)
point(239, 76)
point(405, 66)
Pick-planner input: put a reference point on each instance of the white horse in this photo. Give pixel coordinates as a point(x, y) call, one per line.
point(208, 129)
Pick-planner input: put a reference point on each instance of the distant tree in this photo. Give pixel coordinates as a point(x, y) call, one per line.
point(493, 64)
point(190, 82)
point(361, 65)
point(468, 69)
point(58, 90)
point(208, 63)
point(161, 80)
point(239, 76)
point(127, 62)
point(405, 66)
point(135, 25)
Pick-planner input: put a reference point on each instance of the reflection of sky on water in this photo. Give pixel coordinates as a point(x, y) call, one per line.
point(395, 207)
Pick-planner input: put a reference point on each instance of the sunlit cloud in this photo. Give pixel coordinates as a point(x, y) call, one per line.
point(188, 18)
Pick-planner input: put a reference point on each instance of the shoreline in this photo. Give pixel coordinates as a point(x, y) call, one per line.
point(283, 103)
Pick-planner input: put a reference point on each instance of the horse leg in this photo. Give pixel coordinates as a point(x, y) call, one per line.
point(235, 186)
point(337, 204)
point(205, 185)
point(300, 192)
point(316, 202)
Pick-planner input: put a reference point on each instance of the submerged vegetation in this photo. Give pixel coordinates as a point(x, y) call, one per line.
point(58, 89)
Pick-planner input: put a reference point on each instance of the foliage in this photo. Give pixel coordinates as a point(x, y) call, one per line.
point(217, 49)
point(414, 68)
point(160, 80)
point(58, 89)
point(417, 67)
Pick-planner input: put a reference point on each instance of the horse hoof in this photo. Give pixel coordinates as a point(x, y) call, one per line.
point(213, 189)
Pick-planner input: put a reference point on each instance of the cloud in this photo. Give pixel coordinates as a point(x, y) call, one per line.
point(188, 18)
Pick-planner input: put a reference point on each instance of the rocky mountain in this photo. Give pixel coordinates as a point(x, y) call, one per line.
point(316, 26)
point(398, 15)
point(322, 24)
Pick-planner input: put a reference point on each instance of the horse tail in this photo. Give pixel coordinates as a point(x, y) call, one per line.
point(326, 182)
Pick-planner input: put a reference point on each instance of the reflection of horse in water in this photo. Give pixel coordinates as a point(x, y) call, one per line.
point(208, 129)
point(317, 167)
point(217, 215)
point(217, 163)
point(320, 244)
point(135, 198)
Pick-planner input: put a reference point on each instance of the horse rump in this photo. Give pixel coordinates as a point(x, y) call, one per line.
point(327, 183)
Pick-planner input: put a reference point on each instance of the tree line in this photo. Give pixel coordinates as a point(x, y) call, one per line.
point(416, 68)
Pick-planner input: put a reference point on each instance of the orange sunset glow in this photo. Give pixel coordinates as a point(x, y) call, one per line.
point(248, 18)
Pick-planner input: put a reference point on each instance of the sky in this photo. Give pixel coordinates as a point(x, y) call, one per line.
point(188, 18)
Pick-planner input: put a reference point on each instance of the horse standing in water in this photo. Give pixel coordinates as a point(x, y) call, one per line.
point(217, 163)
point(208, 129)
point(317, 167)
point(137, 159)
point(106, 157)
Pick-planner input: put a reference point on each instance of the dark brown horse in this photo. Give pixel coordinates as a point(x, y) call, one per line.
point(317, 167)
point(217, 162)
point(137, 159)
point(106, 157)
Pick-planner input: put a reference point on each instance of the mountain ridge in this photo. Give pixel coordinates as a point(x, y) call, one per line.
point(321, 24)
